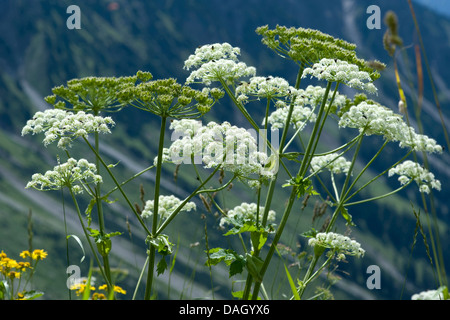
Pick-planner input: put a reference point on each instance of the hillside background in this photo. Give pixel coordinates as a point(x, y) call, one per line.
point(118, 38)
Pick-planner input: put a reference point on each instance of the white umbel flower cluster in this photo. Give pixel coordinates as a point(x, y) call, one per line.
point(332, 162)
point(305, 102)
point(428, 295)
point(334, 70)
point(225, 70)
point(66, 175)
point(263, 87)
point(216, 144)
point(248, 212)
point(211, 52)
point(410, 170)
point(372, 118)
point(166, 205)
point(299, 118)
point(217, 62)
point(338, 243)
point(66, 126)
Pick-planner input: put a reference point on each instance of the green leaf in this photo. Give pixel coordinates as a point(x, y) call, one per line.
point(301, 186)
point(248, 226)
point(292, 156)
point(3, 289)
point(347, 216)
point(254, 265)
point(311, 233)
point(237, 266)
point(258, 238)
point(88, 210)
point(292, 284)
point(87, 290)
point(79, 243)
point(161, 266)
point(162, 244)
point(31, 295)
point(217, 255)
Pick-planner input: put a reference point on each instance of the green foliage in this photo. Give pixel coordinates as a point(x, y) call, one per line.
point(309, 46)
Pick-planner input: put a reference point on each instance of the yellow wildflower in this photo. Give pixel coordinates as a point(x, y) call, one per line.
point(25, 254)
point(119, 290)
point(39, 254)
point(98, 296)
point(14, 275)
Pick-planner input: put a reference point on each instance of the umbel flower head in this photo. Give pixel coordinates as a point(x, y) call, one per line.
point(374, 119)
point(167, 98)
point(233, 148)
point(263, 87)
point(339, 244)
point(412, 171)
point(94, 94)
point(309, 46)
point(305, 102)
point(246, 212)
point(332, 162)
point(166, 205)
point(70, 174)
point(210, 52)
point(217, 62)
point(66, 126)
point(335, 70)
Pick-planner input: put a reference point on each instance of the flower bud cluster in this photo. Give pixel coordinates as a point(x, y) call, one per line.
point(94, 94)
point(338, 243)
point(66, 126)
point(332, 162)
point(409, 170)
point(166, 205)
point(247, 211)
point(66, 175)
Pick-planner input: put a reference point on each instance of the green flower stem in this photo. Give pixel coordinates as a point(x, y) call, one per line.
point(177, 210)
point(273, 182)
point(101, 220)
point(140, 278)
point(239, 105)
point(94, 252)
point(293, 196)
point(375, 178)
point(340, 204)
point(378, 197)
point(128, 180)
point(308, 153)
point(152, 253)
point(309, 276)
point(119, 187)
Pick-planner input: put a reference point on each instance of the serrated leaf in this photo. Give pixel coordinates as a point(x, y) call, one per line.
point(161, 266)
point(237, 266)
point(217, 255)
point(347, 216)
point(258, 238)
point(311, 233)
